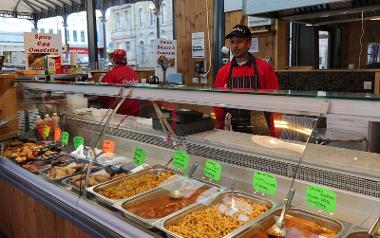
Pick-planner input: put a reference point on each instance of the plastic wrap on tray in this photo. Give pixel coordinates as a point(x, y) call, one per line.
point(82, 152)
point(225, 214)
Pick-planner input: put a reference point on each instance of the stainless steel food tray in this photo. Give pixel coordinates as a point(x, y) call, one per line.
point(68, 182)
point(320, 219)
point(150, 223)
point(43, 172)
point(175, 218)
point(109, 202)
point(356, 232)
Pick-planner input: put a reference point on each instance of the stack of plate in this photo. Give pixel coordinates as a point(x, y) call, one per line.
point(32, 114)
point(21, 121)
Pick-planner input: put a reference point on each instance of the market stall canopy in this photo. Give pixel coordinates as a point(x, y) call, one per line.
point(39, 9)
point(315, 12)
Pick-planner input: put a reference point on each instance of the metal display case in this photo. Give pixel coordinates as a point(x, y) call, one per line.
point(295, 156)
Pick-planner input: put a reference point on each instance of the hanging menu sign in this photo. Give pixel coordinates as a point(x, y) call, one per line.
point(38, 45)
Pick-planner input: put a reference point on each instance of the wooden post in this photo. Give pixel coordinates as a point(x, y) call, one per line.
point(377, 83)
point(8, 105)
point(281, 54)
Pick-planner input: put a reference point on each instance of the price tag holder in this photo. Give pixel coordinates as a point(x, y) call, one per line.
point(321, 198)
point(180, 159)
point(108, 146)
point(65, 138)
point(139, 156)
point(264, 182)
point(213, 170)
point(77, 141)
point(46, 131)
point(57, 134)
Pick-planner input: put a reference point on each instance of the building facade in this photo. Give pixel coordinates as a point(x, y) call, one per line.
point(133, 28)
point(12, 40)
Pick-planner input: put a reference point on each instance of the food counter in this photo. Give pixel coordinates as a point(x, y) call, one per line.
point(126, 194)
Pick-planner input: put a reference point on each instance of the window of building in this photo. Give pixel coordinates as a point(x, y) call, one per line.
point(82, 37)
point(151, 45)
point(42, 30)
point(117, 22)
point(51, 31)
point(152, 18)
point(140, 17)
point(143, 52)
point(7, 56)
point(323, 49)
point(59, 32)
point(127, 45)
point(163, 14)
point(126, 19)
point(374, 54)
point(68, 35)
point(75, 36)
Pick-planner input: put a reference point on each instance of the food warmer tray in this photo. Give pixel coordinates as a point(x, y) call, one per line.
point(265, 223)
point(43, 172)
point(176, 217)
point(150, 223)
point(109, 202)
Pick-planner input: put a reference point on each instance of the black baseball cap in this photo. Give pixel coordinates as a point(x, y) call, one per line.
point(240, 31)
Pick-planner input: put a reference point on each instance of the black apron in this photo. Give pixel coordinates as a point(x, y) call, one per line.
point(247, 121)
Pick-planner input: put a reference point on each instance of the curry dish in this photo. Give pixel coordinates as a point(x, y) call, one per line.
point(295, 228)
point(162, 204)
point(131, 186)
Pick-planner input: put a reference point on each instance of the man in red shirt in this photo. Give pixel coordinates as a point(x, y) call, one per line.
point(245, 71)
point(121, 74)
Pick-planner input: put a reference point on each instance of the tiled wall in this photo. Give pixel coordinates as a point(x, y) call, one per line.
point(337, 81)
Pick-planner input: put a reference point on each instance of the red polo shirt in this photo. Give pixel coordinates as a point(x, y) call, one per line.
point(241, 77)
point(122, 74)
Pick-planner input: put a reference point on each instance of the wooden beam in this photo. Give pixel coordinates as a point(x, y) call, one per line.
point(281, 46)
point(377, 83)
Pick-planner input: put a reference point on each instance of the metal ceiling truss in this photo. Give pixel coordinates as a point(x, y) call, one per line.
point(51, 8)
point(328, 13)
point(14, 14)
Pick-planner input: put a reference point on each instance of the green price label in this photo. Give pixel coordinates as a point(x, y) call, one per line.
point(212, 170)
point(265, 182)
point(78, 140)
point(65, 138)
point(320, 197)
point(180, 159)
point(139, 155)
